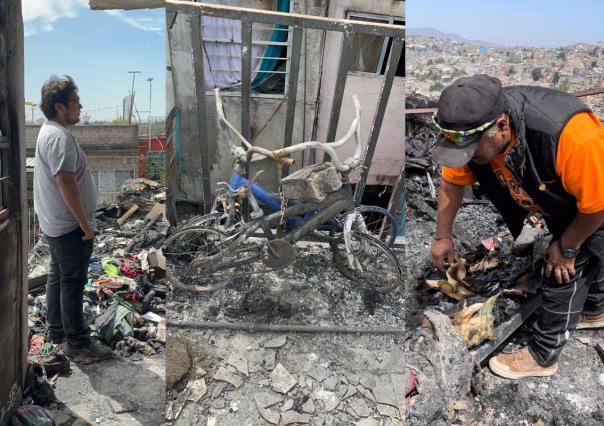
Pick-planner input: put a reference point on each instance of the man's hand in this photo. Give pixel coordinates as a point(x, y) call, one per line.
point(88, 231)
point(563, 268)
point(441, 250)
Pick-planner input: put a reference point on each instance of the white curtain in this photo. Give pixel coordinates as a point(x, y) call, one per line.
point(222, 45)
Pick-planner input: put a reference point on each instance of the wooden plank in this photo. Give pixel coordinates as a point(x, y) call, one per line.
point(157, 210)
point(290, 19)
point(125, 4)
point(36, 282)
point(130, 212)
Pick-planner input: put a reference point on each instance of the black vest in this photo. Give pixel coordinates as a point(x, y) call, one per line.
point(537, 115)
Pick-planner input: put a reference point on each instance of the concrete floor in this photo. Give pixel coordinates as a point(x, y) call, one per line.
point(98, 393)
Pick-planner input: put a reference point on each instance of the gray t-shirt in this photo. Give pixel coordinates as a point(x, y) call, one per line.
point(56, 150)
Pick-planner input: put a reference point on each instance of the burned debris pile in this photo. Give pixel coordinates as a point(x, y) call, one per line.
point(124, 298)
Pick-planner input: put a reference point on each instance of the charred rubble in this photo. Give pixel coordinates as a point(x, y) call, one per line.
point(125, 296)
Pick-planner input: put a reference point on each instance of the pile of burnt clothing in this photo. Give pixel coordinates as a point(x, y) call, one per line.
point(488, 284)
point(125, 295)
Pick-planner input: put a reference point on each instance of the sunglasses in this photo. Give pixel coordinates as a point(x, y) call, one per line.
point(75, 100)
point(461, 137)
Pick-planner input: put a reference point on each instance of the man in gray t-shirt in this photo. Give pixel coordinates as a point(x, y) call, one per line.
point(65, 202)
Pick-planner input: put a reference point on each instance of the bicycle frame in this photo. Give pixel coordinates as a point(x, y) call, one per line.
point(274, 203)
point(325, 210)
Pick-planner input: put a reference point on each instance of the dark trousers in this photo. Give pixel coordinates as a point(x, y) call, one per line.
point(562, 304)
point(69, 257)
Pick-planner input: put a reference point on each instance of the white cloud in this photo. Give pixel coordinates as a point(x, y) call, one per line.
point(40, 15)
point(141, 23)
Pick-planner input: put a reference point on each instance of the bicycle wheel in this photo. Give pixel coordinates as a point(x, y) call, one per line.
point(367, 262)
point(380, 223)
point(186, 244)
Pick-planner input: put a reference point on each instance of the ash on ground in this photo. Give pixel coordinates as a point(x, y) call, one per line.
point(268, 378)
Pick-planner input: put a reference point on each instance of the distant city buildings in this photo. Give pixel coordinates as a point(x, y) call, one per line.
point(433, 63)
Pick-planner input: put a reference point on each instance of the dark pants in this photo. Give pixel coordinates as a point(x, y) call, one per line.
point(69, 257)
point(562, 304)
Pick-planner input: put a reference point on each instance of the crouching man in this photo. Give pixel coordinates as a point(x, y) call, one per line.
point(531, 149)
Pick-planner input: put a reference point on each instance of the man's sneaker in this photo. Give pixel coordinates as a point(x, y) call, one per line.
point(519, 364)
point(591, 321)
point(95, 351)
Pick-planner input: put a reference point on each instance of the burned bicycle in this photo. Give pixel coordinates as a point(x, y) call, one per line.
point(314, 201)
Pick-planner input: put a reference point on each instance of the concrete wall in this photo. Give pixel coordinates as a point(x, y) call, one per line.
point(94, 136)
point(390, 151)
point(110, 172)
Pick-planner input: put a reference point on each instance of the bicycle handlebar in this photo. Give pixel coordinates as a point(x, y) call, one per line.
point(279, 154)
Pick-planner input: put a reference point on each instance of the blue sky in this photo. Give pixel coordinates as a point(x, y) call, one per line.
point(97, 48)
point(536, 23)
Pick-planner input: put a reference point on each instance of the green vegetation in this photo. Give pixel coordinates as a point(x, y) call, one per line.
point(536, 74)
point(435, 87)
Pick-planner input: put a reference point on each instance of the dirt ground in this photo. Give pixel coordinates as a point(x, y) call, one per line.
point(574, 396)
point(268, 378)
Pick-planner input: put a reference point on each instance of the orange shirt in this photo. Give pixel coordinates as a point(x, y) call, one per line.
point(579, 163)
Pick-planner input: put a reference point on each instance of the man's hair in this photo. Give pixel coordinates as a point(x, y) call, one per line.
point(55, 90)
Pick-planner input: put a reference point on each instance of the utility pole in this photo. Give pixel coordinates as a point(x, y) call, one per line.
point(150, 79)
point(32, 105)
point(132, 95)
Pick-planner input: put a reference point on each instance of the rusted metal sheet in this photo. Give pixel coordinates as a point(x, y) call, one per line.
point(256, 15)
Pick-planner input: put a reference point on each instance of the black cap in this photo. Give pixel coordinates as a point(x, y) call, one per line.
point(466, 104)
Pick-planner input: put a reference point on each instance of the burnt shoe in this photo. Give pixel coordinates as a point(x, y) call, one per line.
point(591, 321)
point(94, 351)
point(519, 364)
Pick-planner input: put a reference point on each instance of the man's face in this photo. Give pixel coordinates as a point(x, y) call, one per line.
point(72, 112)
point(69, 112)
point(493, 143)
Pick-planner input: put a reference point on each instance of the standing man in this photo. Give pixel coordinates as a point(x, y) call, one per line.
point(65, 202)
point(531, 149)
